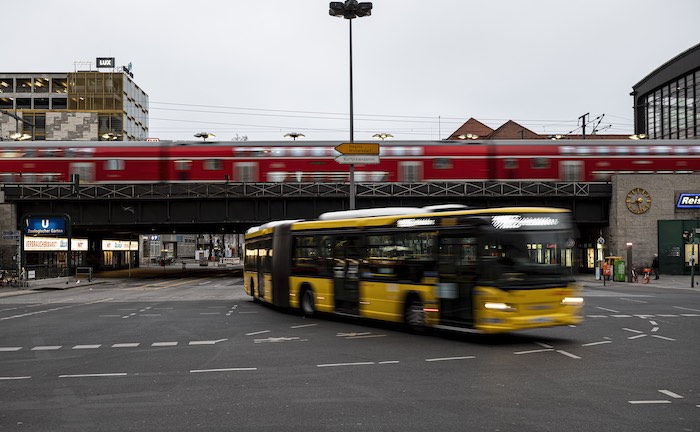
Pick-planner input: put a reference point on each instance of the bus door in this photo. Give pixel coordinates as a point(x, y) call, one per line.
point(346, 290)
point(457, 276)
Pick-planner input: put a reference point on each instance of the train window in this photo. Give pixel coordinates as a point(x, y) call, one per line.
point(571, 170)
point(442, 163)
point(114, 164)
point(298, 151)
point(213, 165)
point(246, 172)
point(410, 171)
point(539, 163)
point(510, 163)
point(318, 151)
point(183, 165)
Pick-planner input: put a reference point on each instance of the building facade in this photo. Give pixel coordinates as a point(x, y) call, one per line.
point(667, 101)
point(86, 105)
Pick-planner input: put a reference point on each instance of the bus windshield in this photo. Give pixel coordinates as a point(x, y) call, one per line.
point(525, 259)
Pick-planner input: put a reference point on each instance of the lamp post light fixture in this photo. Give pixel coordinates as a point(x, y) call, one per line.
point(468, 136)
point(350, 10)
point(294, 135)
point(638, 136)
point(204, 135)
point(19, 136)
point(382, 135)
point(110, 136)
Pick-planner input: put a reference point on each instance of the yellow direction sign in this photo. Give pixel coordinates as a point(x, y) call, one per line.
point(358, 148)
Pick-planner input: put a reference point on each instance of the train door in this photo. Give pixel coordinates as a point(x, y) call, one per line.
point(571, 171)
point(457, 268)
point(346, 290)
point(411, 171)
point(245, 172)
point(86, 171)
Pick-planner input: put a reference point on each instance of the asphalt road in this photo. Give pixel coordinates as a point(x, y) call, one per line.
point(189, 351)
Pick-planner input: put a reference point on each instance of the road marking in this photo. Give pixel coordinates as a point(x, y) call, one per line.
point(685, 308)
point(277, 339)
point(667, 315)
point(644, 316)
point(86, 347)
point(671, 394)
point(150, 315)
point(303, 325)
point(207, 342)
point(637, 337)
point(257, 333)
point(224, 370)
point(690, 315)
point(597, 316)
point(449, 358)
point(352, 334)
point(96, 375)
point(9, 349)
point(365, 336)
point(345, 364)
point(654, 329)
point(210, 313)
point(388, 362)
point(14, 378)
point(622, 316)
point(568, 354)
point(632, 300)
point(650, 402)
point(631, 330)
point(607, 310)
point(663, 337)
point(163, 344)
point(109, 316)
point(54, 309)
point(533, 351)
point(47, 348)
point(596, 343)
point(544, 345)
point(126, 345)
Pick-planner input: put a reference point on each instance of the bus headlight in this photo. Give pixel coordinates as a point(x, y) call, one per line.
point(504, 307)
point(572, 301)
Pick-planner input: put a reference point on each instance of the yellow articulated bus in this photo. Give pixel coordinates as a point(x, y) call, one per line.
point(447, 267)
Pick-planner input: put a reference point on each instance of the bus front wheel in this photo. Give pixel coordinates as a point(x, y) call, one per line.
point(308, 302)
point(414, 316)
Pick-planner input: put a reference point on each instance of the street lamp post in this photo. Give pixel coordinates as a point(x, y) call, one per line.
point(350, 10)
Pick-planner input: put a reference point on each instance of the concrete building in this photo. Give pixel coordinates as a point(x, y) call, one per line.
point(82, 105)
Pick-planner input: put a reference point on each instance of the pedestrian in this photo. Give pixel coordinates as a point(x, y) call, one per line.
point(655, 266)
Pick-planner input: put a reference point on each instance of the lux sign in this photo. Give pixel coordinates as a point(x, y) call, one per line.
point(688, 201)
point(105, 62)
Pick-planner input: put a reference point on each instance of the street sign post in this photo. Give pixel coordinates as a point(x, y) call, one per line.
point(358, 149)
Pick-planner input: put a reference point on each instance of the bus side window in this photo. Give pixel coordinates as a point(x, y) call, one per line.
point(324, 257)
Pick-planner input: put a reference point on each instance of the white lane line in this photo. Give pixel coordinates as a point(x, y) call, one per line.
point(650, 402)
point(47, 348)
point(14, 378)
point(251, 312)
point(257, 333)
point(631, 330)
point(449, 358)
point(597, 343)
point(207, 342)
point(210, 313)
point(644, 316)
point(388, 362)
point(596, 316)
point(86, 346)
point(365, 336)
point(533, 351)
point(667, 315)
point(632, 300)
point(685, 308)
point(53, 309)
point(109, 316)
point(303, 325)
point(95, 375)
point(607, 310)
point(671, 394)
point(637, 337)
point(622, 316)
point(9, 349)
point(690, 315)
point(217, 307)
point(345, 364)
point(126, 345)
point(224, 370)
point(568, 354)
point(163, 344)
point(663, 337)
point(543, 345)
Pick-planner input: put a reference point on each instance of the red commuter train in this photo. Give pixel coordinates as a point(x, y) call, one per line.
point(314, 161)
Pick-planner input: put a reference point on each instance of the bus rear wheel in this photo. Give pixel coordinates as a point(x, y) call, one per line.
point(414, 316)
point(308, 303)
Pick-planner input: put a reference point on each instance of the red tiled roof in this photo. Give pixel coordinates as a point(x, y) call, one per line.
point(471, 126)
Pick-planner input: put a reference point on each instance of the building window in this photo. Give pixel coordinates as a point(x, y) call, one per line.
point(24, 85)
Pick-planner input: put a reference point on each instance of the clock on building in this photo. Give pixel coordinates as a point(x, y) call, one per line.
point(638, 200)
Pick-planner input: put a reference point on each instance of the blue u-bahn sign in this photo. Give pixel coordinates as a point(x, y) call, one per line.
point(45, 225)
point(688, 201)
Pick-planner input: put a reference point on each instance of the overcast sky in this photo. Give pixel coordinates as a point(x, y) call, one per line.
point(262, 69)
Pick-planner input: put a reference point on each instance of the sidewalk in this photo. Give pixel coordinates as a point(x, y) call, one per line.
point(664, 281)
